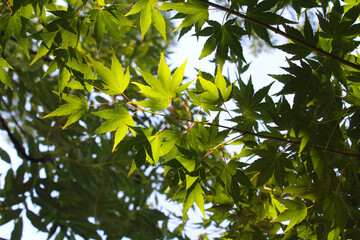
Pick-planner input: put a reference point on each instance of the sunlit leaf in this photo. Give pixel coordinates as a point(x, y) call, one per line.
point(75, 107)
point(117, 120)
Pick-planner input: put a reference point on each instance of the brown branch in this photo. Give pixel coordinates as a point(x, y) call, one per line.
point(12, 116)
point(19, 148)
point(282, 33)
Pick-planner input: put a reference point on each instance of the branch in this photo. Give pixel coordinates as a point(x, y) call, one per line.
point(12, 117)
point(282, 33)
point(19, 148)
point(286, 140)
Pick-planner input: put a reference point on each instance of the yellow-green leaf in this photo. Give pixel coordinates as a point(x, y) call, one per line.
point(159, 23)
point(210, 94)
point(177, 77)
point(194, 194)
point(145, 19)
point(164, 72)
point(101, 2)
point(42, 51)
point(4, 77)
point(75, 107)
point(137, 7)
point(116, 120)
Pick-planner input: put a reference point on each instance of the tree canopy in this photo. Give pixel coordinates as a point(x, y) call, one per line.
point(102, 122)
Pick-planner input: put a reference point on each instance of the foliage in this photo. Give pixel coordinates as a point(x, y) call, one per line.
point(101, 122)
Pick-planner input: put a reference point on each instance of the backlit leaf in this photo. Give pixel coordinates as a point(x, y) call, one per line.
point(296, 212)
point(117, 120)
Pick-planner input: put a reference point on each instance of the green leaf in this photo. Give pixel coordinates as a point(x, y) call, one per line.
point(18, 229)
point(75, 107)
point(334, 234)
point(145, 19)
point(64, 79)
point(220, 83)
point(296, 212)
point(190, 180)
point(101, 2)
point(194, 194)
point(159, 23)
point(4, 63)
point(222, 38)
point(5, 78)
point(48, 39)
point(189, 164)
point(99, 27)
point(177, 78)
point(209, 47)
point(117, 120)
point(36, 221)
point(196, 13)
point(304, 140)
point(164, 72)
point(149, 14)
point(210, 94)
point(110, 25)
point(5, 156)
point(137, 7)
point(161, 90)
point(115, 80)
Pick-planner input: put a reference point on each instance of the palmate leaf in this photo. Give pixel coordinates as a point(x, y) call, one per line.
point(194, 194)
point(115, 79)
point(296, 212)
point(301, 80)
point(48, 39)
point(147, 146)
point(117, 120)
point(75, 107)
point(271, 162)
point(220, 82)
point(222, 38)
point(161, 90)
point(149, 14)
point(205, 95)
point(110, 19)
point(197, 13)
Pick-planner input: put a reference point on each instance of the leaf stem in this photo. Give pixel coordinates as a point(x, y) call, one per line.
point(167, 125)
point(137, 106)
point(7, 2)
point(282, 33)
point(193, 122)
point(81, 7)
point(341, 177)
point(98, 5)
point(99, 104)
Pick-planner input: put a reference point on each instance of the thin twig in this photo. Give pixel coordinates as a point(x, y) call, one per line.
point(9, 7)
point(286, 140)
